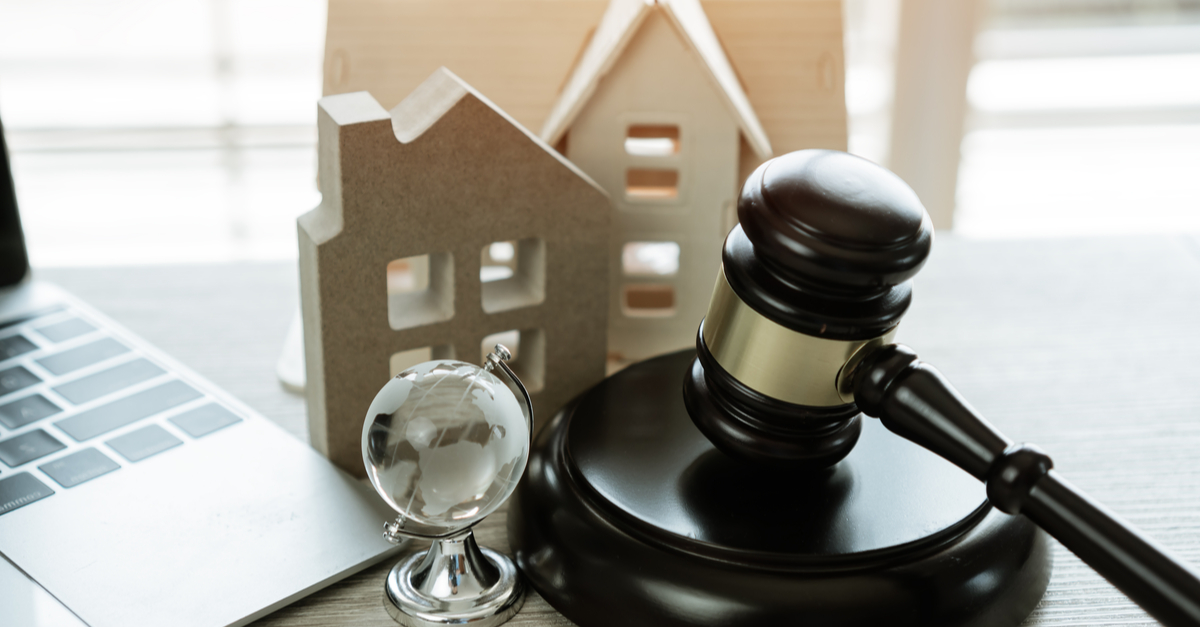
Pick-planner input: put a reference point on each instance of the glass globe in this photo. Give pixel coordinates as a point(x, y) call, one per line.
point(445, 443)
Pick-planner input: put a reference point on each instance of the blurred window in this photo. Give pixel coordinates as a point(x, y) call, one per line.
point(181, 131)
point(149, 132)
point(1083, 113)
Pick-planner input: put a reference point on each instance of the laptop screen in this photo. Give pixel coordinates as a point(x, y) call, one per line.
point(14, 263)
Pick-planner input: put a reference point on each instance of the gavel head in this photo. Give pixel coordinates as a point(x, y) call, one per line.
point(815, 275)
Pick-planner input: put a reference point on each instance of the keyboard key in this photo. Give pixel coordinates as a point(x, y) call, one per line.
point(204, 420)
point(19, 490)
point(79, 467)
point(14, 345)
point(86, 355)
point(138, 445)
point(28, 447)
point(108, 381)
point(27, 410)
point(65, 330)
point(93, 422)
point(16, 378)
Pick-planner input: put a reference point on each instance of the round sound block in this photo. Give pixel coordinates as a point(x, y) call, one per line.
point(628, 516)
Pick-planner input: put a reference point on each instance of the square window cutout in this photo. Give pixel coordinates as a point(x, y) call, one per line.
point(650, 259)
point(528, 350)
point(498, 261)
point(652, 140)
point(513, 274)
point(643, 184)
point(420, 290)
point(404, 360)
point(648, 301)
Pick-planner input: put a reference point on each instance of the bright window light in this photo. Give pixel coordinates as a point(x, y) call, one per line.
point(650, 259)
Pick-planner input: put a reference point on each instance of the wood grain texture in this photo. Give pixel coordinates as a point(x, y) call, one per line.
point(789, 57)
point(1098, 337)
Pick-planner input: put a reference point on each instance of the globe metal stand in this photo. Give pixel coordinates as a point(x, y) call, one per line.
point(454, 582)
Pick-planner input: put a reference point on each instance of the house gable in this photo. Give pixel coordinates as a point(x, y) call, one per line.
point(617, 28)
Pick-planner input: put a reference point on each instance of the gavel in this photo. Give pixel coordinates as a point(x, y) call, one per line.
point(797, 345)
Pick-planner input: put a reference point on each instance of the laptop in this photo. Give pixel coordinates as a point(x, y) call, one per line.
point(135, 493)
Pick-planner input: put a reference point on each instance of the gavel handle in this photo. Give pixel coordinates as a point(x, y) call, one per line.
point(913, 400)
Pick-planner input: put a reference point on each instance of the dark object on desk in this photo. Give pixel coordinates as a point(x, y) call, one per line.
point(754, 497)
point(14, 262)
point(830, 239)
point(629, 516)
point(915, 401)
point(811, 288)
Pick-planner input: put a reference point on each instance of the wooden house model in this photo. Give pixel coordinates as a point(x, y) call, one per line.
point(667, 104)
point(655, 113)
point(445, 227)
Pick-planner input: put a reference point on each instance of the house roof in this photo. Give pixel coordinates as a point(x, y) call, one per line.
point(426, 105)
point(618, 26)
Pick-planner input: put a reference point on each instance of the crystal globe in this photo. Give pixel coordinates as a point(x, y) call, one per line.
point(445, 443)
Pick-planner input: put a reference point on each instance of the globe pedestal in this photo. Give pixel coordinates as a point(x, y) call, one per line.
point(454, 583)
point(629, 516)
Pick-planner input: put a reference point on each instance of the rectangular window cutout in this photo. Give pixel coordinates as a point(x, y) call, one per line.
point(648, 301)
point(650, 259)
point(528, 348)
point(645, 184)
point(513, 274)
point(652, 140)
point(420, 290)
point(408, 275)
point(498, 261)
point(404, 360)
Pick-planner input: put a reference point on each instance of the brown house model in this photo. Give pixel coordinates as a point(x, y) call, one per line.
point(444, 227)
point(667, 104)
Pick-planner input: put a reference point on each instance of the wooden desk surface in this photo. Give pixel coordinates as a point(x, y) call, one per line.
point(1088, 348)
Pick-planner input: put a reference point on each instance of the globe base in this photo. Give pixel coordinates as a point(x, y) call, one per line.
point(454, 583)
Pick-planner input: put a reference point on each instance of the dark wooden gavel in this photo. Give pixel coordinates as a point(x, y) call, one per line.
point(798, 341)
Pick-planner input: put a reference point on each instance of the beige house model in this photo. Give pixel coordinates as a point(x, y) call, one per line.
point(655, 114)
point(667, 104)
point(444, 228)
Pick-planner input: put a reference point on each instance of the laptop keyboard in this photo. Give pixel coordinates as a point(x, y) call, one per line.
point(77, 404)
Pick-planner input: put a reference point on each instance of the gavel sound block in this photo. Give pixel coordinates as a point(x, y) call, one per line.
point(759, 494)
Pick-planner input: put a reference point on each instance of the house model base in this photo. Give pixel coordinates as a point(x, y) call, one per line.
point(629, 516)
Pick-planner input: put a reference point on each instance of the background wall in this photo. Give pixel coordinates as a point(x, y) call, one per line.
point(183, 130)
point(1077, 111)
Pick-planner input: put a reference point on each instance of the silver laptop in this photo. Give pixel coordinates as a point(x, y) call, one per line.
point(133, 492)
